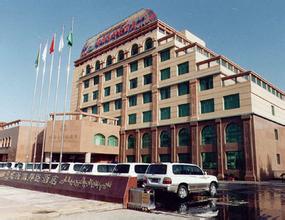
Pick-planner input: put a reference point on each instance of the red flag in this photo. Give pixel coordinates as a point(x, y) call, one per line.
point(51, 49)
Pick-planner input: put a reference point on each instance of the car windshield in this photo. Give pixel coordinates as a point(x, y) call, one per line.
point(9, 165)
point(141, 168)
point(19, 165)
point(2, 165)
point(156, 169)
point(107, 168)
point(86, 168)
point(122, 168)
point(77, 167)
point(46, 166)
point(65, 166)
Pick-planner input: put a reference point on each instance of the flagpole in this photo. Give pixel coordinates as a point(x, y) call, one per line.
point(38, 62)
point(40, 102)
point(56, 100)
point(48, 98)
point(65, 99)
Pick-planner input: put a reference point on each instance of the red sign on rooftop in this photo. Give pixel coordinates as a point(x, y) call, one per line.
point(127, 26)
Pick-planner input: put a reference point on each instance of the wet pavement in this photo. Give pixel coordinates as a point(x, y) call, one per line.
point(234, 201)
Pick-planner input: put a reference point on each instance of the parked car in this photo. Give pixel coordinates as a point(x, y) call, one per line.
point(7, 165)
point(69, 167)
point(54, 167)
point(98, 169)
point(180, 178)
point(33, 166)
point(131, 169)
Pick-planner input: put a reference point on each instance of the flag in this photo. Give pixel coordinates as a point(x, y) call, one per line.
point(61, 43)
point(37, 60)
point(44, 55)
point(51, 49)
point(70, 39)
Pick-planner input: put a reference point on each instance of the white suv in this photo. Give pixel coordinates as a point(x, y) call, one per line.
point(180, 178)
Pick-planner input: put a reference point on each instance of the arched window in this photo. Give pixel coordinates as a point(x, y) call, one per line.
point(165, 139)
point(148, 44)
point(135, 50)
point(184, 137)
point(109, 60)
point(131, 141)
point(113, 141)
point(146, 140)
point(233, 133)
point(208, 135)
point(97, 65)
point(88, 69)
point(121, 55)
point(99, 139)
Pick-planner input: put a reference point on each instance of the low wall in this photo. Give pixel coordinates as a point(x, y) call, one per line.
point(104, 188)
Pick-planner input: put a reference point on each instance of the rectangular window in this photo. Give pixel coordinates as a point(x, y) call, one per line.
point(147, 116)
point(207, 106)
point(85, 98)
point(183, 88)
point(134, 83)
point(107, 91)
point(165, 74)
point(264, 85)
point(235, 160)
point(146, 159)
point(276, 134)
point(165, 55)
point(119, 122)
point(94, 109)
point(84, 110)
point(86, 83)
point(132, 119)
point(231, 101)
point(165, 113)
point(278, 159)
point(130, 159)
point(134, 66)
point(272, 110)
point(147, 79)
point(209, 160)
point(118, 104)
point(119, 71)
point(119, 87)
point(147, 97)
point(183, 68)
point(184, 158)
point(96, 80)
point(206, 83)
point(164, 158)
point(133, 100)
point(147, 61)
point(108, 76)
point(183, 110)
point(95, 95)
point(106, 107)
point(165, 93)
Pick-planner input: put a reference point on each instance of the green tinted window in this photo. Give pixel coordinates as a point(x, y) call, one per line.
point(132, 118)
point(183, 68)
point(208, 135)
point(165, 93)
point(231, 101)
point(209, 160)
point(235, 160)
point(94, 109)
point(165, 113)
point(165, 74)
point(147, 97)
point(132, 100)
point(206, 83)
point(107, 76)
point(119, 71)
point(118, 104)
point(183, 110)
point(106, 107)
point(107, 91)
point(233, 133)
point(147, 116)
point(146, 140)
point(95, 95)
point(134, 83)
point(85, 98)
point(147, 61)
point(147, 79)
point(207, 106)
point(119, 87)
point(134, 66)
point(165, 55)
point(183, 88)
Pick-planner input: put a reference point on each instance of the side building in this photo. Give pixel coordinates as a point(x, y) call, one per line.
point(176, 100)
point(17, 143)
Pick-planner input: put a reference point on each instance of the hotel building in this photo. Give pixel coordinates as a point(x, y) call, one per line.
point(175, 100)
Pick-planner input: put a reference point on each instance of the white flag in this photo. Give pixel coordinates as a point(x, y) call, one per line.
point(44, 55)
point(61, 43)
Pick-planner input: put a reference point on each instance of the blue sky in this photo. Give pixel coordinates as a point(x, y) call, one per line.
point(251, 33)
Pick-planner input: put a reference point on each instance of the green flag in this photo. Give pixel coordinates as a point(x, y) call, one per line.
point(37, 60)
point(70, 39)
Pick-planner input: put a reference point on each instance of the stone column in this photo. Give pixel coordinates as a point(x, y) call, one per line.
point(124, 111)
point(122, 148)
point(155, 96)
point(154, 149)
point(100, 94)
point(173, 144)
point(248, 148)
point(87, 157)
point(220, 149)
point(195, 142)
point(138, 145)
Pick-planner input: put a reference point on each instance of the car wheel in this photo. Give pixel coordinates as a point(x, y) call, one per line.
point(182, 192)
point(213, 190)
